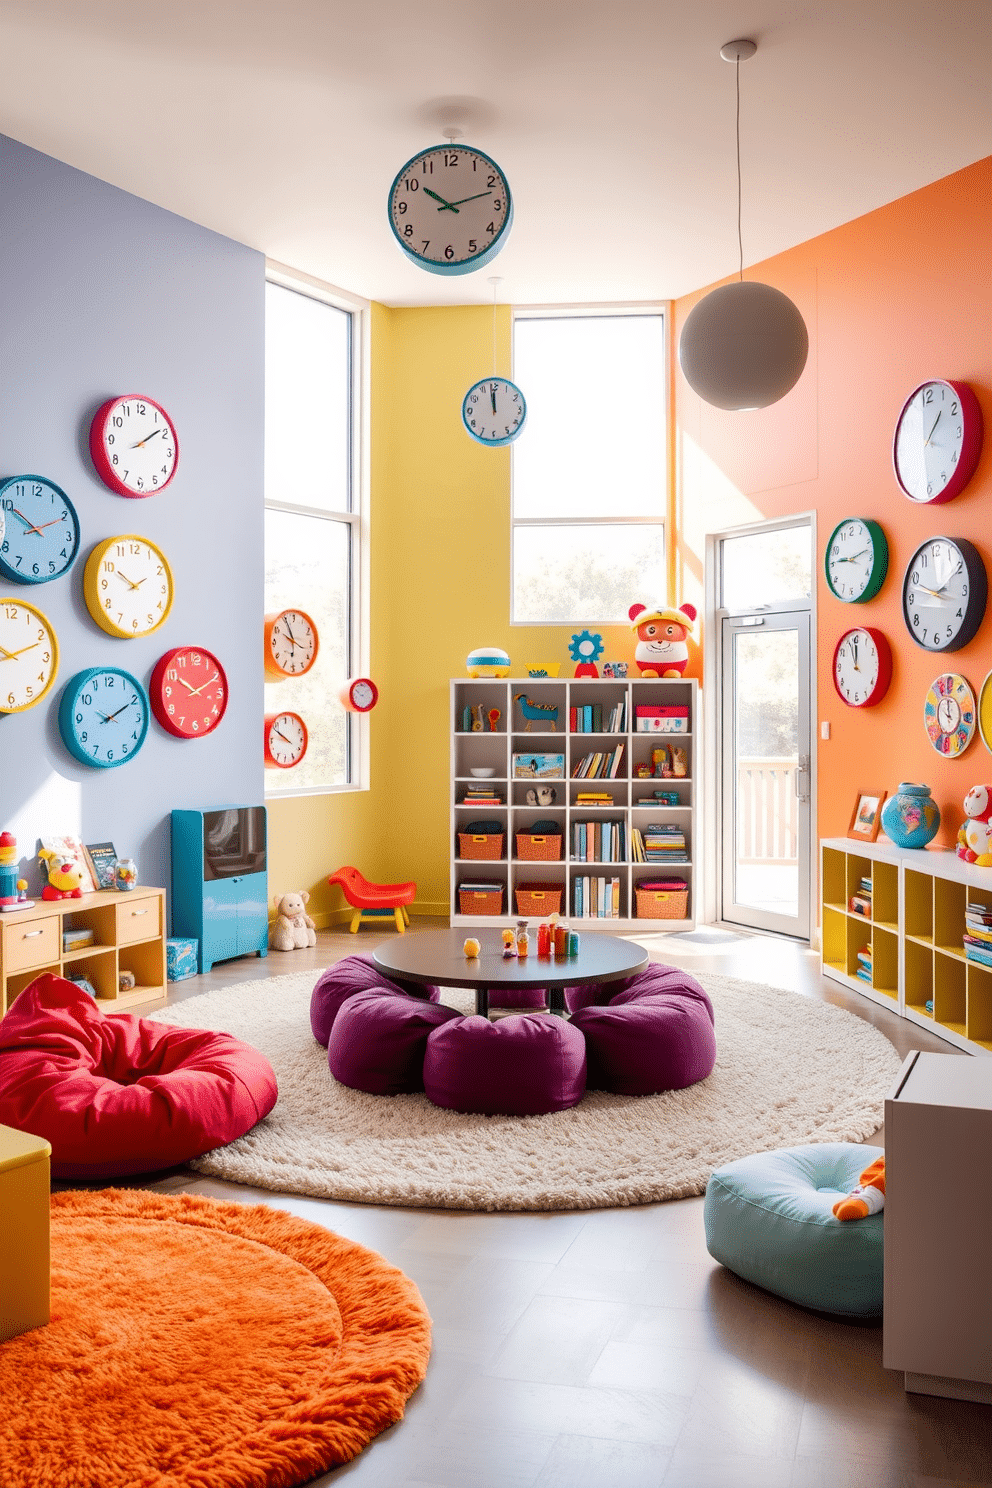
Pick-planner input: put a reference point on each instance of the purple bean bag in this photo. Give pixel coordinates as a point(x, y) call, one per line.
point(378, 1039)
point(655, 1034)
point(343, 980)
point(519, 1066)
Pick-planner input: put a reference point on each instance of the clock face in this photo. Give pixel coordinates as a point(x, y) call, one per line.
point(360, 695)
point(291, 644)
point(39, 530)
point(285, 740)
point(856, 560)
point(103, 716)
point(133, 445)
point(862, 667)
point(944, 593)
point(450, 209)
point(950, 715)
point(127, 584)
point(493, 411)
point(29, 656)
point(937, 442)
point(188, 692)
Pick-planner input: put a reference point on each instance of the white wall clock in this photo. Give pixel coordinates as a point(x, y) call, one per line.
point(856, 560)
point(103, 716)
point(291, 644)
point(944, 593)
point(937, 442)
point(133, 445)
point(359, 695)
point(39, 530)
point(493, 411)
point(29, 655)
point(450, 209)
point(950, 715)
point(862, 667)
point(286, 740)
point(127, 585)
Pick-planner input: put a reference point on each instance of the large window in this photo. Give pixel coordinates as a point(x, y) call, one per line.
point(311, 521)
point(589, 469)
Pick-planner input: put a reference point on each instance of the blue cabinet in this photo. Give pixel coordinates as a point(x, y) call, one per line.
point(220, 895)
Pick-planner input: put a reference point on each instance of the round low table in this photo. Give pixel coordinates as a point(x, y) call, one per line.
point(436, 957)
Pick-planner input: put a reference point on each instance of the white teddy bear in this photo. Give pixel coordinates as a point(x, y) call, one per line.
point(292, 929)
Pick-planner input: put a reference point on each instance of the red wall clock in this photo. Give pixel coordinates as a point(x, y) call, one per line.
point(286, 740)
point(188, 692)
point(862, 667)
point(937, 442)
point(133, 445)
point(359, 695)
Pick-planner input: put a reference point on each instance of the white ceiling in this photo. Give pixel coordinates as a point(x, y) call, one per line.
point(283, 124)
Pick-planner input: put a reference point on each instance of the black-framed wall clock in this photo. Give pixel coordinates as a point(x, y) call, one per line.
point(862, 667)
point(944, 593)
point(937, 441)
point(133, 445)
point(856, 560)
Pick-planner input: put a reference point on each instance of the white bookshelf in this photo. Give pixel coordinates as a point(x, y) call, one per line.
point(495, 749)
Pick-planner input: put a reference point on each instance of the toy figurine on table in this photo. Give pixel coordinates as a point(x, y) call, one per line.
point(64, 876)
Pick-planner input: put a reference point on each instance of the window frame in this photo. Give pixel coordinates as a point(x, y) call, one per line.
point(666, 521)
point(357, 740)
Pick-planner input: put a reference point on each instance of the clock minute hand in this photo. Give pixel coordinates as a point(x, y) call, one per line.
point(195, 690)
point(930, 435)
point(144, 441)
point(462, 199)
point(445, 206)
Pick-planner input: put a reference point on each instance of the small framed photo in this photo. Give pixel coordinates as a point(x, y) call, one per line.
point(538, 766)
point(867, 816)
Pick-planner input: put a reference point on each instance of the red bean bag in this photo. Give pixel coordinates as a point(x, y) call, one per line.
point(119, 1094)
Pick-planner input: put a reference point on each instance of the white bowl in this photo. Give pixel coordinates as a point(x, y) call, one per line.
point(481, 772)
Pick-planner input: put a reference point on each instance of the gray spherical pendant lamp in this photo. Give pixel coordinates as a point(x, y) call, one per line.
point(745, 344)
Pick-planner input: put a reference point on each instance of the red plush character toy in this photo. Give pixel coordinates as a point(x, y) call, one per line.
point(64, 878)
point(868, 1197)
point(661, 639)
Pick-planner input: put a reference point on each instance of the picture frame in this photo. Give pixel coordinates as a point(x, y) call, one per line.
point(866, 817)
point(538, 766)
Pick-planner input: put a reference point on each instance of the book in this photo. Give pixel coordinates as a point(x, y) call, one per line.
point(102, 858)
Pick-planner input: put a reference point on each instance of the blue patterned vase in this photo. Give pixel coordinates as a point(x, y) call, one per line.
point(911, 817)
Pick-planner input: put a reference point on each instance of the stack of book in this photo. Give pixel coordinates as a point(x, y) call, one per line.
point(600, 766)
point(588, 718)
point(664, 844)
point(599, 842)
point(479, 795)
point(863, 972)
point(860, 903)
point(596, 898)
point(978, 933)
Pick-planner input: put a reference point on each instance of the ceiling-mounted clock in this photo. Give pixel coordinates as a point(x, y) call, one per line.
point(286, 740)
point(133, 445)
point(493, 411)
point(450, 209)
point(103, 716)
point(39, 530)
point(359, 695)
point(188, 692)
point(950, 715)
point(291, 644)
point(29, 655)
point(944, 593)
point(127, 585)
point(937, 442)
point(856, 560)
point(862, 667)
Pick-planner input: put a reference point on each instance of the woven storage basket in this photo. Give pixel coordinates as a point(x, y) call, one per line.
point(480, 844)
point(538, 900)
point(480, 902)
point(543, 849)
point(662, 904)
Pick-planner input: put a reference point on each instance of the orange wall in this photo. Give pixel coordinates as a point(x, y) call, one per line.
point(891, 299)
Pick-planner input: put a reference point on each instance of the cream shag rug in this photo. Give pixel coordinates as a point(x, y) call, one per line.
point(789, 1070)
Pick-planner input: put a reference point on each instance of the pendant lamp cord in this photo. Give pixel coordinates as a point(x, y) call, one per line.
point(740, 240)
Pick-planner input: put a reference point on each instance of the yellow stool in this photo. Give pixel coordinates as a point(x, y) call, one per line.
point(25, 1258)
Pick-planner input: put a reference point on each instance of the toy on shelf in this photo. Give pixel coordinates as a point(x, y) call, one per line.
point(868, 1197)
point(292, 929)
point(586, 649)
point(8, 868)
point(546, 714)
point(509, 944)
point(975, 833)
point(494, 716)
point(614, 669)
point(126, 981)
point(488, 661)
point(537, 669)
point(472, 947)
point(661, 639)
point(64, 876)
point(541, 795)
point(477, 710)
point(372, 901)
point(125, 873)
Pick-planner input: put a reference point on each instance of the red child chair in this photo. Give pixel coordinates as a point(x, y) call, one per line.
point(372, 901)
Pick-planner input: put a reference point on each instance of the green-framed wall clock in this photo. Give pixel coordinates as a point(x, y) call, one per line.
point(856, 560)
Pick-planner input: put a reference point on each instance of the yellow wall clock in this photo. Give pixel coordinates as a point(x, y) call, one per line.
point(127, 585)
point(29, 655)
point(950, 715)
point(985, 712)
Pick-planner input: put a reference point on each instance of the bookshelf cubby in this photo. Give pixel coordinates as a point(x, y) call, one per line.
point(915, 930)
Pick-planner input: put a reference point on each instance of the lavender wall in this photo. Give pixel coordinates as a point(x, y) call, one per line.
point(102, 293)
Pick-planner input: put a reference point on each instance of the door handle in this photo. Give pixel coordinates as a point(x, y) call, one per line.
point(802, 770)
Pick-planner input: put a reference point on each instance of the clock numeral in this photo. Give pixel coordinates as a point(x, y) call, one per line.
point(451, 157)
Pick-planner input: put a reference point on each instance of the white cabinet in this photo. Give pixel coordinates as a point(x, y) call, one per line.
point(514, 729)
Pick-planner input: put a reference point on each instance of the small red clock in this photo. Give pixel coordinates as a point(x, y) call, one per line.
point(188, 692)
point(360, 695)
point(286, 740)
point(133, 445)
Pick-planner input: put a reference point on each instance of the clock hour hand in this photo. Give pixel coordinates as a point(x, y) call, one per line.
point(30, 525)
point(130, 581)
point(854, 558)
point(445, 206)
point(492, 394)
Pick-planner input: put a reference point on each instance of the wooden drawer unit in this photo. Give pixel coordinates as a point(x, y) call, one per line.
point(29, 943)
point(138, 918)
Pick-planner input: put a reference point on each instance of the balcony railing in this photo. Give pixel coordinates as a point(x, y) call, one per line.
point(766, 810)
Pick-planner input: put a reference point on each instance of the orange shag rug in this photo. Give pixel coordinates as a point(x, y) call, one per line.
point(201, 1343)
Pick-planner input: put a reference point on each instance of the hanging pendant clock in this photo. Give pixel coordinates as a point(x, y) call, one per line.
point(493, 411)
point(39, 530)
point(944, 593)
point(286, 740)
point(29, 655)
point(291, 644)
point(862, 667)
point(950, 715)
point(133, 445)
point(856, 560)
point(188, 692)
point(103, 717)
point(450, 209)
point(359, 695)
point(127, 585)
point(937, 442)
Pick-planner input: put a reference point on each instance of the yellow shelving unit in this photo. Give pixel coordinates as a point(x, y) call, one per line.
point(915, 932)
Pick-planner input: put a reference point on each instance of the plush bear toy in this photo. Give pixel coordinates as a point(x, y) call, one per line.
point(868, 1197)
point(661, 638)
point(292, 929)
point(975, 833)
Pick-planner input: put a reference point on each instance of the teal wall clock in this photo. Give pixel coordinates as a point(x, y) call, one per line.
point(103, 716)
point(450, 209)
point(856, 560)
point(39, 530)
point(493, 411)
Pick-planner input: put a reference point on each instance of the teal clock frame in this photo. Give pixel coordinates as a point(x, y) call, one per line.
point(69, 729)
point(478, 260)
point(11, 571)
point(880, 567)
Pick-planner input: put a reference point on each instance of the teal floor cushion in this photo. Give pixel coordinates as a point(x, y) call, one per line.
point(768, 1218)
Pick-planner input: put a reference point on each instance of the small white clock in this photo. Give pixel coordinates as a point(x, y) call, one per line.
point(127, 585)
point(286, 740)
point(359, 695)
point(133, 445)
point(493, 411)
point(862, 667)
